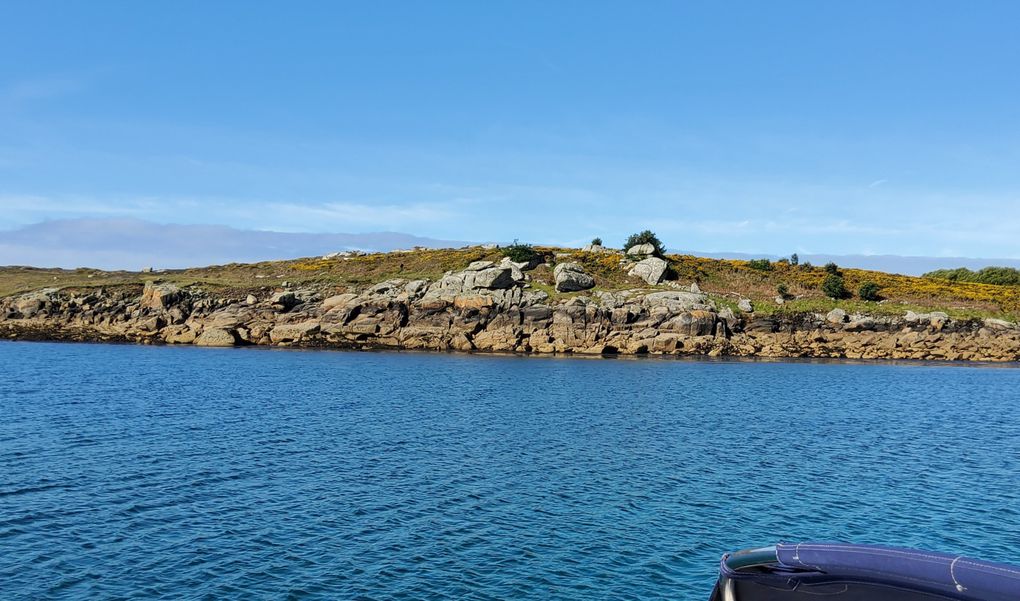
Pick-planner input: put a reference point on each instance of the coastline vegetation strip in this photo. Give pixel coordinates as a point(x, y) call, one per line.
point(800, 286)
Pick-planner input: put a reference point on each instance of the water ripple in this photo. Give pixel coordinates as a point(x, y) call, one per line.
point(231, 474)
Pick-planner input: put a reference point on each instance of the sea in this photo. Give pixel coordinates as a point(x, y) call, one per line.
point(148, 472)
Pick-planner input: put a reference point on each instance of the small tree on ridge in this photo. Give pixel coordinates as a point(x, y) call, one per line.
point(645, 237)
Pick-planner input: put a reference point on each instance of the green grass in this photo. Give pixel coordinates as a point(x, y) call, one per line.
point(889, 309)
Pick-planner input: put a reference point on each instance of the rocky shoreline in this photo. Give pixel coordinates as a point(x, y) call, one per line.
point(490, 307)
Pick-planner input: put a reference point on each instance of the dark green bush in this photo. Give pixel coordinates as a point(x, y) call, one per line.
point(832, 268)
point(869, 291)
point(1000, 276)
point(645, 237)
point(520, 253)
point(760, 264)
point(783, 290)
point(833, 286)
point(794, 259)
point(596, 241)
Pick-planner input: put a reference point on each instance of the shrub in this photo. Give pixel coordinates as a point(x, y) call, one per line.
point(645, 237)
point(596, 241)
point(783, 261)
point(1000, 276)
point(519, 253)
point(833, 286)
point(807, 265)
point(832, 268)
point(794, 259)
point(869, 291)
point(783, 290)
point(760, 264)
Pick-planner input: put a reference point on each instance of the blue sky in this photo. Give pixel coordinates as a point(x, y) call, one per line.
point(773, 127)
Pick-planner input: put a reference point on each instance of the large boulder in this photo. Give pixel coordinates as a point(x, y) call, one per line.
point(744, 304)
point(473, 301)
point(650, 270)
point(479, 265)
point(999, 325)
point(448, 286)
point(33, 302)
point(283, 300)
point(491, 278)
point(160, 297)
point(938, 319)
point(388, 287)
point(180, 335)
point(860, 323)
point(338, 300)
point(677, 301)
point(570, 277)
point(415, 288)
point(216, 337)
point(727, 316)
point(641, 250)
point(293, 332)
point(478, 276)
point(694, 323)
point(535, 260)
point(516, 269)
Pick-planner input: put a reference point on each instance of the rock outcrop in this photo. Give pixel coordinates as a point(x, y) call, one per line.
point(651, 270)
point(490, 307)
point(215, 337)
point(641, 250)
point(570, 277)
point(598, 248)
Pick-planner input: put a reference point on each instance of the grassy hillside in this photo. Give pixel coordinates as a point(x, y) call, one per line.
point(725, 280)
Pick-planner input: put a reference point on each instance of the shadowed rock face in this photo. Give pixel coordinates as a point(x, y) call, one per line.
point(488, 307)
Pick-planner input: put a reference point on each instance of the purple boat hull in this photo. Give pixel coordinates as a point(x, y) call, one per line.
point(791, 572)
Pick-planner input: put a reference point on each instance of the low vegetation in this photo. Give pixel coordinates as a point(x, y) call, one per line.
point(834, 287)
point(869, 291)
point(999, 276)
point(520, 253)
point(801, 285)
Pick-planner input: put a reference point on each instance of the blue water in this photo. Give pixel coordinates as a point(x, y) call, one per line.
point(147, 472)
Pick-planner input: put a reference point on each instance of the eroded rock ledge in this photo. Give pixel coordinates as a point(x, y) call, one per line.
point(488, 307)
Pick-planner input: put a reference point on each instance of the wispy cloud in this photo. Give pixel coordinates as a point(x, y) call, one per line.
point(42, 88)
point(686, 213)
point(303, 217)
point(134, 243)
point(257, 214)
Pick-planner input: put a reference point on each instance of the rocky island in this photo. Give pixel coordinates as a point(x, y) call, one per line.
point(592, 301)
